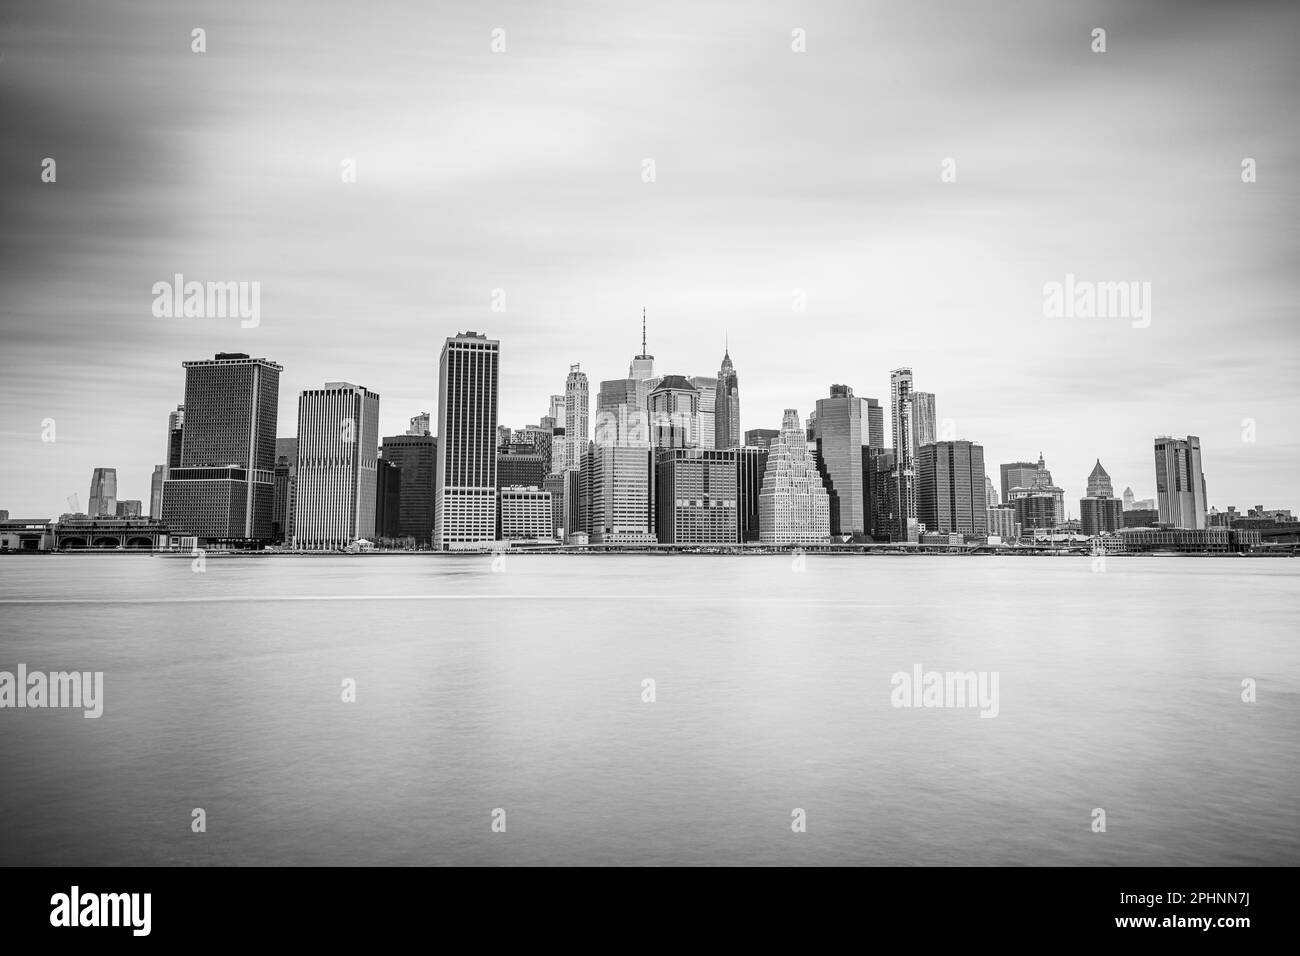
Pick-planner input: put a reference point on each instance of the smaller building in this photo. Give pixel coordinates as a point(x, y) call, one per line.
point(1187, 540)
point(1098, 515)
point(526, 514)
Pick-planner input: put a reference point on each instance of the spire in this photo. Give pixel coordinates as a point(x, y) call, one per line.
point(643, 349)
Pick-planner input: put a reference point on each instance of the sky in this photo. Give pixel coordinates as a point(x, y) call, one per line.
point(779, 177)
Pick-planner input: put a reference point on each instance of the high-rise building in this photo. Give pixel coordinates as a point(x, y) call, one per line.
point(103, 493)
point(951, 494)
point(388, 500)
point(923, 421)
point(751, 463)
point(1099, 485)
point(643, 366)
point(503, 435)
point(156, 490)
point(336, 483)
point(873, 424)
point(526, 514)
point(990, 493)
point(1040, 505)
point(1100, 514)
point(1180, 483)
point(465, 503)
point(879, 492)
point(416, 456)
point(128, 509)
point(1002, 522)
point(761, 437)
point(419, 425)
point(697, 496)
point(223, 491)
point(675, 413)
point(522, 468)
point(1016, 474)
point(707, 387)
point(1128, 499)
point(621, 493)
point(175, 435)
point(837, 433)
point(904, 437)
point(577, 414)
point(726, 406)
point(793, 506)
point(286, 471)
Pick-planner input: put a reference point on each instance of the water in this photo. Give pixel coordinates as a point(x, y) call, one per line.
point(522, 690)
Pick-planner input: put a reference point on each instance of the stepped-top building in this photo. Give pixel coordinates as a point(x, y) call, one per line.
point(793, 504)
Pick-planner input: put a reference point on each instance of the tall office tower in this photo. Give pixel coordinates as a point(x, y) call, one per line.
point(388, 500)
point(643, 366)
point(1180, 483)
point(1017, 474)
point(793, 506)
point(224, 489)
point(127, 509)
point(338, 447)
point(557, 484)
point(751, 463)
point(155, 491)
point(923, 420)
point(707, 386)
point(761, 437)
point(1128, 499)
point(417, 458)
point(950, 488)
point(465, 505)
point(1040, 505)
point(1099, 485)
point(1100, 511)
point(990, 493)
point(103, 493)
point(837, 433)
point(873, 424)
point(577, 414)
point(696, 495)
point(621, 492)
point(286, 471)
point(903, 434)
point(175, 435)
point(503, 435)
point(674, 406)
point(419, 425)
point(621, 412)
point(877, 466)
point(726, 406)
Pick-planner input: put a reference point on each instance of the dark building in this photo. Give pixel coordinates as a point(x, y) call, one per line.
point(1016, 474)
point(879, 492)
point(950, 489)
point(416, 457)
point(761, 437)
point(388, 500)
point(223, 491)
point(286, 472)
point(751, 463)
point(524, 469)
point(1141, 518)
point(1098, 515)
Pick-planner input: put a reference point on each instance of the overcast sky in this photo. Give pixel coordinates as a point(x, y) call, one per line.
point(774, 171)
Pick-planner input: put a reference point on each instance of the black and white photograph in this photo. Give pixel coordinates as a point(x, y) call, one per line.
point(518, 434)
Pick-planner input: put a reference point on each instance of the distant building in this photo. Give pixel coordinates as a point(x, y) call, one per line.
point(521, 469)
point(419, 425)
point(873, 424)
point(388, 500)
point(128, 509)
point(1040, 505)
point(1100, 511)
point(726, 406)
point(1016, 474)
point(990, 493)
point(1180, 484)
point(503, 436)
point(336, 481)
point(951, 497)
point(1002, 522)
point(1141, 518)
point(793, 506)
point(1128, 499)
point(526, 514)
point(1188, 540)
point(879, 492)
point(904, 437)
point(286, 471)
point(643, 366)
point(416, 457)
point(465, 490)
point(838, 437)
point(707, 387)
point(223, 491)
point(156, 491)
point(924, 426)
point(621, 493)
point(577, 415)
point(675, 413)
point(103, 493)
point(761, 437)
point(751, 463)
point(1099, 484)
point(696, 496)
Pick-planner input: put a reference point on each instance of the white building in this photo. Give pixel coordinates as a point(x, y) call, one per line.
point(526, 514)
point(793, 505)
point(336, 480)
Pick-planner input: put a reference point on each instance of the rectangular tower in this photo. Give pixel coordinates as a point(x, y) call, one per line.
point(465, 503)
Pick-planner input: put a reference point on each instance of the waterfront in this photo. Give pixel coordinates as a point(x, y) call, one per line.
point(521, 688)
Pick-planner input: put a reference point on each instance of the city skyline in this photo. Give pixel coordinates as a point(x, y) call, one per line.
point(540, 168)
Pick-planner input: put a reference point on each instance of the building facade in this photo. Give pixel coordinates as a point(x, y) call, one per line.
point(726, 406)
point(951, 496)
point(465, 489)
point(526, 514)
point(336, 481)
point(697, 496)
point(793, 505)
point(1180, 483)
point(904, 437)
point(838, 438)
point(416, 457)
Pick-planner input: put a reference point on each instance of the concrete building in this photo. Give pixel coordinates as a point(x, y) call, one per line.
point(1002, 522)
point(904, 437)
point(838, 438)
point(675, 413)
point(1100, 511)
point(1180, 483)
point(696, 494)
point(336, 481)
point(526, 514)
point(924, 425)
point(1016, 474)
point(793, 505)
point(465, 490)
point(1040, 505)
point(951, 496)
point(620, 493)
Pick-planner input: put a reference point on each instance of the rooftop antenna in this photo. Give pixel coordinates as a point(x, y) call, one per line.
point(643, 350)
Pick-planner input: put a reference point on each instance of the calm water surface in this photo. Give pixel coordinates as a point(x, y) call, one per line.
point(521, 689)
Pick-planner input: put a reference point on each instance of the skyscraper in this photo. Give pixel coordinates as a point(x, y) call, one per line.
point(155, 491)
point(465, 503)
point(1040, 505)
point(338, 445)
point(675, 413)
point(793, 506)
point(620, 486)
point(416, 456)
point(951, 493)
point(419, 425)
point(751, 463)
point(1099, 485)
point(224, 489)
point(923, 421)
point(577, 414)
point(705, 431)
point(103, 493)
point(761, 437)
point(1016, 474)
point(837, 432)
point(643, 366)
point(1180, 483)
point(726, 406)
point(175, 435)
point(990, 493)
point(696, 495)
point(873, 424)
point(1100, 511)
point(904, 436)
point(1128, 499)
point(286, 471)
